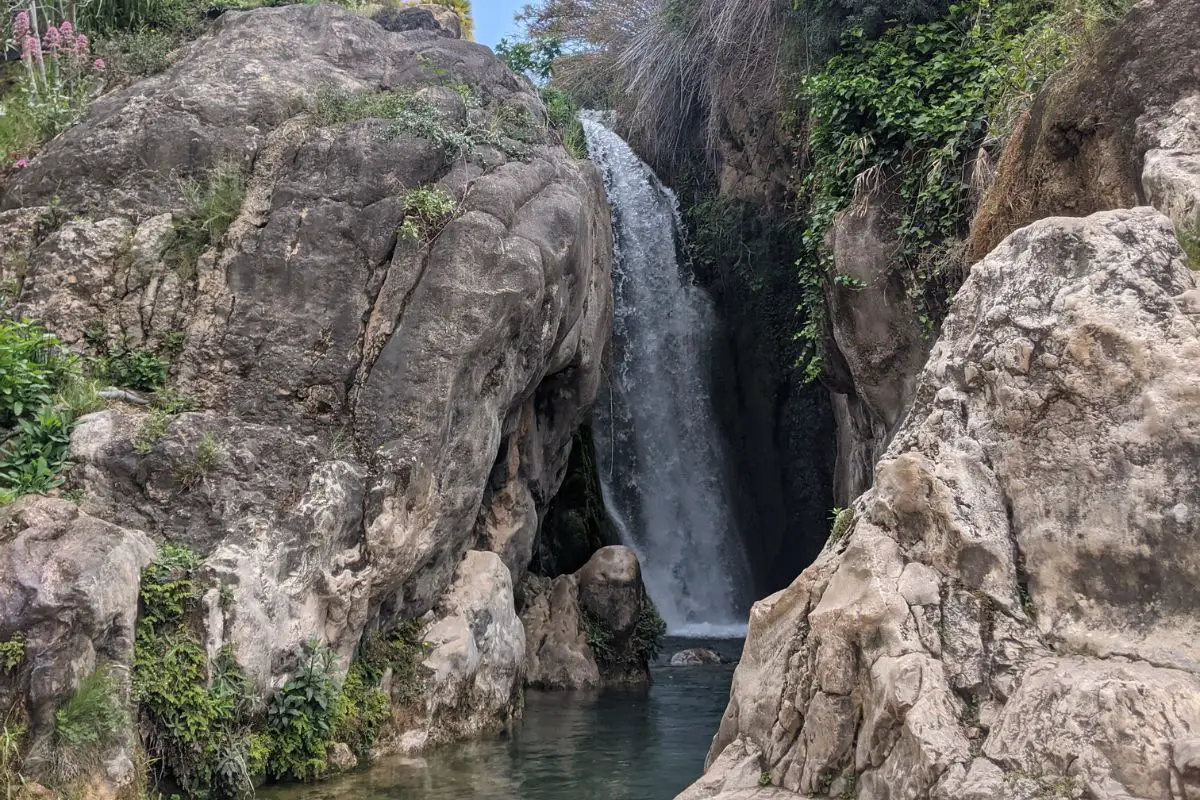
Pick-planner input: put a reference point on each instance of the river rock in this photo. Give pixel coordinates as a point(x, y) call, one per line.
point(1014, 594)
point(696, 656)
point(371, 409)
point(69, 589)
point(595, 627)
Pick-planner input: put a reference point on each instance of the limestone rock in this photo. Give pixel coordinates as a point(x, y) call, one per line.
point(475, 661)
point(1084, 146)
point(557, 652)
point(372, 407)
point(438, 19)
point(1015, 595)
point(69, 585)
point(695, 656)
point(595, 627)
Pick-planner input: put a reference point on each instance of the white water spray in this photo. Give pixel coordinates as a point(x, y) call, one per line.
point(658, 447)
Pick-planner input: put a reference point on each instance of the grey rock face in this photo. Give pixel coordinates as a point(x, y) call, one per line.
point(1015, 596)
point(438, 19)
point(557, 654)
point(69, 587)
point(378, 406)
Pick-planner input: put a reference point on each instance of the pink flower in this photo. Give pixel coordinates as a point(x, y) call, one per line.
point(68, 35)
point(52, 39)
point(20, 26)
point(22, 163)
point(98, 65)
point(81, 45)
point(30, 49)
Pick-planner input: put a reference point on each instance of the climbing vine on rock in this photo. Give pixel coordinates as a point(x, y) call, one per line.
point(902, 116)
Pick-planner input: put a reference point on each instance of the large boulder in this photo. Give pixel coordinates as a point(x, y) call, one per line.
point(372, 404)
point(595, 627)
point(1012, 610)
point(69, 597)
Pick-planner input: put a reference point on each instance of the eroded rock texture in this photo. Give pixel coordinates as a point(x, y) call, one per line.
point(1013, 611)
point(373, 408)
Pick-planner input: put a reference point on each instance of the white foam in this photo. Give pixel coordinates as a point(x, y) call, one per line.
point(705, 630)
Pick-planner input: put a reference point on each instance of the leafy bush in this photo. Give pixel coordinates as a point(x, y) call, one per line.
point(133, 368)
point(360, 711)
point(648, 633)
point(32, 365)
point(30, 460)
point(563, 113)
point(533, 58)
point(210, 207)
point(58, 77)
point(301, 716)
point(427, 210)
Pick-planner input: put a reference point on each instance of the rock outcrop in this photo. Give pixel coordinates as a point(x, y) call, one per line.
point(380, 391)
point(696, 656)
point(592, 628)
point(1013, 609)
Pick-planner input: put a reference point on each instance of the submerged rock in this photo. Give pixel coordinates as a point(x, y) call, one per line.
point(1014, 596)
point(696, 656)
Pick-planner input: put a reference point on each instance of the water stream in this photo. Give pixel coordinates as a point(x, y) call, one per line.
point(632, 744)
point(658, 447)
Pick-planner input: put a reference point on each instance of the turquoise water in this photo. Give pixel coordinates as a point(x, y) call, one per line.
point(644, 744)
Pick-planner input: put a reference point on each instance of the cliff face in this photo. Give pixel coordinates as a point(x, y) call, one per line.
point(1009, 611)
point(384, 358)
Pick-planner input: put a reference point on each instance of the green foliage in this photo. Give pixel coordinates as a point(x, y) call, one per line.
point(301, 717)
point(133, 368)
point(201, 712)
point(136, 54)
point(764, 779)
point(1189, 240)
point(402, 651)
point(899, 116)
point(427, 210)
point(600, 639)
point(124, 16)
point(30, 460)
point(533, 58)
point(12, 652)
point(11, 737)
point(648, 634)
point(92, 716)
point(204, 460)
point(32, 365)
point(563, 113)
point(360, 711)
point(210, 207)
point(842, 519)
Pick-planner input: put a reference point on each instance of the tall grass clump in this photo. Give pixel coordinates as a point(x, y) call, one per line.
point(210, 207)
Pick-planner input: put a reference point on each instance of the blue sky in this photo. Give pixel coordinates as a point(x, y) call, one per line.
point(494, 19)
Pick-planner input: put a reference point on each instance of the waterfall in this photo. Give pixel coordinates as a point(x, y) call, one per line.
point(658, 448)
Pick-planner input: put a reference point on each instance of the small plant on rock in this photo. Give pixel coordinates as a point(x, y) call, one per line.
point(12, 652)
point(210, 207)
point(427, 210)
point(300, 718)
point(842, 519)
point(86, 725)
point(648, 633)
point(205, 459)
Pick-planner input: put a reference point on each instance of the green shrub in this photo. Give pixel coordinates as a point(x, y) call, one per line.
point(600, 639)
point(564, 118)
point(648, 634)
point(300, 718)
point(136, 54)
point(842, 519)
point(204, 460)
point(137, 369)
point(210, 207)
point(360, 711)
point(402, 651)
point(426, 212)
point(30, 461)
point(12, 652)
point(32, 366)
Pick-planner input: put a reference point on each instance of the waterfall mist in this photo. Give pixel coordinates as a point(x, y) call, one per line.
point(658, 448)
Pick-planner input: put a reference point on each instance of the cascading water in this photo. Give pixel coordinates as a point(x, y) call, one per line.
point(658, 448)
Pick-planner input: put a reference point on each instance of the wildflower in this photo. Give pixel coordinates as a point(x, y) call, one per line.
point(21, 26)
point(81, 45)
point(22, 163)
point(30, 49)
point(99, 66)
point(67, 31)
point(52, 39)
